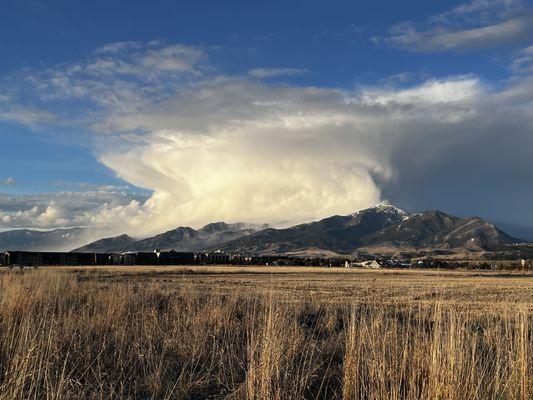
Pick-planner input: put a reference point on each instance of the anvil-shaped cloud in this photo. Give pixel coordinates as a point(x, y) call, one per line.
point(216, 147)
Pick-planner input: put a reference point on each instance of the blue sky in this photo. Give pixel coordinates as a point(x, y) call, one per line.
point(131, 106)
point(332, 41)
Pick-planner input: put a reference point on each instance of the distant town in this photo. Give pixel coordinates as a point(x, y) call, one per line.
point(35, 259)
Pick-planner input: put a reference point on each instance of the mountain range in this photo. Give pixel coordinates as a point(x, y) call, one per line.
point(179, 239)
point(32, 240)
point(383, 229)
point(378, 230)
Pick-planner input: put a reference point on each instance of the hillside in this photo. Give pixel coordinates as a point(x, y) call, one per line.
point(110, 244)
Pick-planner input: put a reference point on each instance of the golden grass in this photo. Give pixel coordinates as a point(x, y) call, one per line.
point(257, 333)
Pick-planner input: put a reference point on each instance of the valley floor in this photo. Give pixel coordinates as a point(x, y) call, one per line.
point(256, 332)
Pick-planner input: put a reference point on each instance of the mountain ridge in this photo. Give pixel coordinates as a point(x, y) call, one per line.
point(379, 230)
point(27, 239)
point(383, 229)
point(179, 239)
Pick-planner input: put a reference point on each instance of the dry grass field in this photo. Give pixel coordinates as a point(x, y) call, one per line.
point(264, 333)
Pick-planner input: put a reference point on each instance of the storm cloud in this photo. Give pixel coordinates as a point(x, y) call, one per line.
point(211, 146)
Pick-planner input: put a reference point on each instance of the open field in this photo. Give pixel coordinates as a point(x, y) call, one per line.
point(265, 333)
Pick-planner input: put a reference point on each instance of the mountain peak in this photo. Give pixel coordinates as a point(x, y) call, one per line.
point(108, 244)
point(384, 209)
point(214, 227)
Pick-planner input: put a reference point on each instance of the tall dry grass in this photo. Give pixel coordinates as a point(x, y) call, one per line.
point(62, 337)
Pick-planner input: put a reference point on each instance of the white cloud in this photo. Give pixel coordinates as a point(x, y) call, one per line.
point(480, 23)
point(402, 78)
point(479, 11)
point(118, 47)
point(522, 63)
point(27, 115)
point(128, 76)
point(9, 181)
point(431, 92)
point(172, 59)
point(262, 73)
point(61, 209)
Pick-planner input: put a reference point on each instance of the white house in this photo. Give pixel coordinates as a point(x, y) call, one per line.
point(365, 264)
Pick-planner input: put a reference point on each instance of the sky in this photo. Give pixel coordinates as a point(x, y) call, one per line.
point(143, 117)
